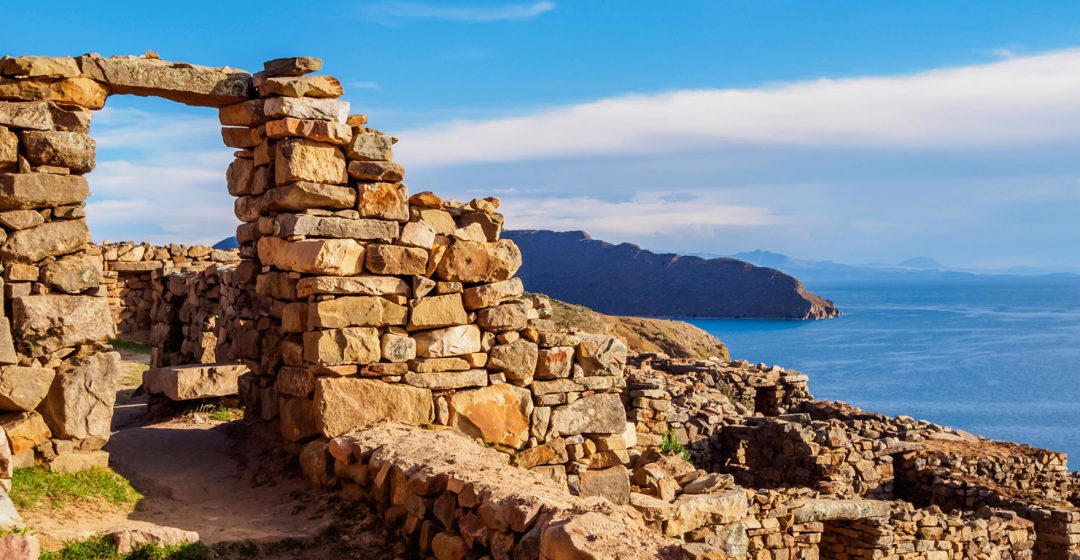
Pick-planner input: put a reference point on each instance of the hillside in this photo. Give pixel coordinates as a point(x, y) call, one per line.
point(625, 279)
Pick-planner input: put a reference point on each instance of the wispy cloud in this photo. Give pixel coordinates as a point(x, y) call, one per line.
point(1009, 102)
point(390, 12)
point(365, 85)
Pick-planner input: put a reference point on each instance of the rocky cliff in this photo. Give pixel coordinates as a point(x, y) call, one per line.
point(625, 279)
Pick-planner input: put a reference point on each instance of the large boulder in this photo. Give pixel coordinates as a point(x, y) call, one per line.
point(196, 381)
point(496, 414)
point(79, 405)
point(347, 403)
point(55, 321)
point(596, 414)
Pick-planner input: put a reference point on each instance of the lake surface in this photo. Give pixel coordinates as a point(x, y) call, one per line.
point(996, 357)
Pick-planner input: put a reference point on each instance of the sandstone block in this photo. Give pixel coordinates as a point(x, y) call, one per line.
point(41, 190)
point(352, 285)
point(396, 260)
point(471, 261)
point(79, 461)
point(697, 510)
point(331, 226)
point(25, 430)
point(50, 239)
point(239, 176)
point(305, 195)
point(292, 66)
point(295, 381)
point(196, 381)
point(241, 137)
point(40, 67)
point(297, 419)
point(67, 91)
point(397, 347)
point(490, 295)
point(447, 380)
point(301, 86)
point(319, 131)
point(387, 201)
point(74, 273)
point(249, 113)
point(73, 150)
point(306, 108)
point(299, 159)
point(368, 146)
point(386, 171)
point(44, 115)
point(496, 414)
point(352, 345)
point(345, 403)
point(178, 81)
point(7, 344)
point(417, 234)
point(439, 220)
point(23, 388)
point(127, 541)
point(79, 405)
point(517, 359)
point(612, 483)
point(21, 219)
point(600, 354)
point(9, 150)
point(335, 257)
point(596, 414)
point(437, 311)
point(450, 341)
point(503, 318)
point(555, 363)
point(62, 320)
point(490, 224)
point(429, 365)
point(355, 311)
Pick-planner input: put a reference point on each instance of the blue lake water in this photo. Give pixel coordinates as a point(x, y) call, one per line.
point(996, 357)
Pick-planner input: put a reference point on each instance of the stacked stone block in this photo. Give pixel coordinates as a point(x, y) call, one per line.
point(186, 309)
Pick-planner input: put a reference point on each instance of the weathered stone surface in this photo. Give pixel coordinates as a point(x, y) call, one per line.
point(300, 108)
point(345, 403)
point(451, 341)
point(612, 483)
point(355, 311)
point(62, 320)
point(292, 66)
point(502, 318)
point(301, 86)
point(305, 195)
point(840, 510)
point(9, 150)
point(14, 546)
point(387, 201)
point(369, 146)
point(44, 115)
point(417, 234)
point(335, 257)
point(396, 260)
point(241, 137)
point(79, 404)
point(386, 171)
point(437, 311)
point(300, 159)
point(74, 273)
point(490, 295)
point(73, 150)
point(428, 365)
point(497, 414)
point(41, 190)
point(352, 345)
point(67, 91)
point(595, 414)
point(555, 363)
point(517, 359)
point(490, 224)
point(178, 81)
point(25, 430)
point(697, 510)
point(23, 388)
point(319, 131)
point(447, 380)
point(600, 354)
point(7, 344)
point(471, 261)
point(196, 381)
point(397, 347)
point(440, 220)
point(335, 227)
point(249, 113)
point(21, 219)
point(239, 176)
point(297, 419)
point(352, 285)
point(127, 540)
point(39, 66)
point(79, 461)
point(50, 239)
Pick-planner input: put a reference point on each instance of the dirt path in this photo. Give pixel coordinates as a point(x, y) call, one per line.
point(204, 477)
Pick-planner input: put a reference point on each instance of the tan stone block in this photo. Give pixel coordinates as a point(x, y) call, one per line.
point(490, 295)
point(336, 227)
point(369, 146)
point(439, 220)
point(517, 359)
point(299, 159)
point(596, 414)
point(355, 311)
point(9, 150)
point(25, 430)
point(490, 224)
point(19, 272)
point(437, 311)
point(41, 190)
point(450, 341)
point(417, 234)
point(334, 257)
point(242, 137)
point(470, 261)
point(397, 348)
point(502, 318)
point(345, 403)
point(352, 285)
point(239, 177)
point(496, 414)
point(80, 401)
point(296, 419)
point(386, 171)
point(388, 201)
point(319, 131)
point(305, 195)
point(291, 66)
point(306, 108)
point(50, 239)
point(249, 113)
point(21, 219)
point(40, 67)
point(44, 115)
point(179, 81)
point(434, 365)
point(612, 483)
point(447, 380)
point(353, 345)
point(555, 363)
point(69, 91)
point(23, 388)
point(396, 260)
point(73, 150)
point(301, 86)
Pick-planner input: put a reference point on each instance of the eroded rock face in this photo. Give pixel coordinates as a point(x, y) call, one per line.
point(50, 239)
point(595, 414)
point(335, 257)
point(56, 321)
point(74, 274)
point(80, 402)
point(23, 388)
point(496, 414)
point(178, 81)
point(473, 261)
point(347, 403)
point(451, 341)
point(73, 150)
point(25, 430)
point(38, 190)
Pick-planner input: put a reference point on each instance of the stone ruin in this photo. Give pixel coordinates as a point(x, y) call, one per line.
point(383, 335)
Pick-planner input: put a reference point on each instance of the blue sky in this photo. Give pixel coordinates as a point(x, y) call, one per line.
point(852, 131)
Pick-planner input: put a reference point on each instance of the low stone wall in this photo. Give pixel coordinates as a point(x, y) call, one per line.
point(186, 312)
point(130, 270)
point(451, 499)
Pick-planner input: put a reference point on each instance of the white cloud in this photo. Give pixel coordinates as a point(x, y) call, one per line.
point(365, 85)
point(389, 12)
point(1010, 102)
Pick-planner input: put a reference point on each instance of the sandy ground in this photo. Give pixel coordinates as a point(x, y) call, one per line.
point(209, 478)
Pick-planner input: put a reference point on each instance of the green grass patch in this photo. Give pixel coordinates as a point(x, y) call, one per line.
point(36, 488)
point(218, 412)
point(99, 548)
point(136, 347)
point(668, 444)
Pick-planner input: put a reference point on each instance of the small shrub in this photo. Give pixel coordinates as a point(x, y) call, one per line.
point(35, 487)
point(672, 446)
point(219, 412)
